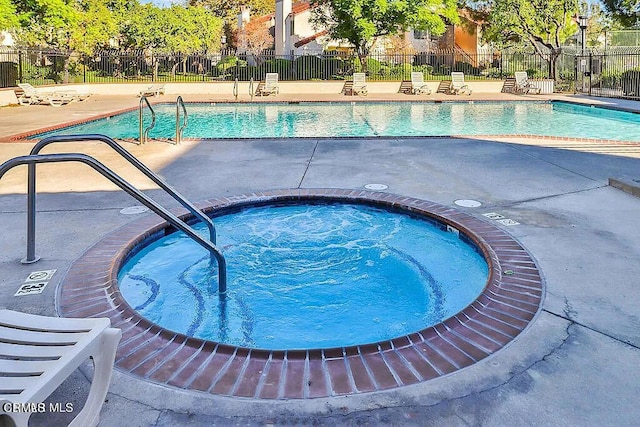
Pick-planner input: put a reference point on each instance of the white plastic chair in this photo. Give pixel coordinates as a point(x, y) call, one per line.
point(152, 90)
point(359, 84)
point(31, 96)
point(523, 85)
point(270, 85)
point(37, 353)
point(418, 85)
point(458, 86)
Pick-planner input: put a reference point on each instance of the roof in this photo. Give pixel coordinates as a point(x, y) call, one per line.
point(309, 39)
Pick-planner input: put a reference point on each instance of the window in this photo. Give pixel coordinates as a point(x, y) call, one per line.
point(420, 34)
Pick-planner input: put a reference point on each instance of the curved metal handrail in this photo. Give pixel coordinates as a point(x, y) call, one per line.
point(235, 89)
point(179, 129)
point(127, 156)
point(134, 192)
point(144, 133)
point(251, 88)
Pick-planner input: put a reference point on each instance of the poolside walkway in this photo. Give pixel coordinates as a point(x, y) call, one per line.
point(577, 364)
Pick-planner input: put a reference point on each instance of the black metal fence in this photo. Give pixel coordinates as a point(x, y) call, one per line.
point(614, 75)
point(44, 67)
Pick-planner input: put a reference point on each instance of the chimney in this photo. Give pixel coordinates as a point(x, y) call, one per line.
point(283, 9)
point(244, 16)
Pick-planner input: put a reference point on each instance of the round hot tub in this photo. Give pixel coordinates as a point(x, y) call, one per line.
point(330, 292)
point(307, 276)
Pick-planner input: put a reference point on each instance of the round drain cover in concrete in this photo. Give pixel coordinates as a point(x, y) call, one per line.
point(376, 187)
point(465, 203)
point(133, 210)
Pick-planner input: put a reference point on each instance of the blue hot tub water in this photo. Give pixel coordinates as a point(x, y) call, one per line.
point(307, 276)
point(371, 119)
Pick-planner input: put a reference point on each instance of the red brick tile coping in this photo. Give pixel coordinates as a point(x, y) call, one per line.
point(510, 300)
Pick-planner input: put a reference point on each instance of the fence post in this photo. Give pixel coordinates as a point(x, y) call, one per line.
point(84, 68)
point(20, 66)
point(590, 71)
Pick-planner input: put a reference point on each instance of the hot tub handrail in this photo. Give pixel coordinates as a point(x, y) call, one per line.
point(134, 192)
point(131, 159)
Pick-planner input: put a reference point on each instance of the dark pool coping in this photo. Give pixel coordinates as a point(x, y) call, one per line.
point(510, 301)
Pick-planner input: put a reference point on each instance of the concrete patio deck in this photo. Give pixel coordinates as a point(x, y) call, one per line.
point(577, 364)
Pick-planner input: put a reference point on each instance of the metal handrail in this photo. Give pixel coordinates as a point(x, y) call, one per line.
point(144, 133)
point(134, 192)
point(251, 88)
point(235, 89)
point(179, 129)
point(31, 203)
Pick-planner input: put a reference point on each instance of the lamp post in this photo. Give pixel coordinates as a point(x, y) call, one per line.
point(583, 21)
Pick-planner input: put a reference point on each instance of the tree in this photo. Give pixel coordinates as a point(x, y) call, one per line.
point(254, 38)
point(362, 22)
point(542, 24)
point(8, 19)
point(229, 9)
point(626, 12)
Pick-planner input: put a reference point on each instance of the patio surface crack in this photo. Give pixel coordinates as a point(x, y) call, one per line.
point(313, 153)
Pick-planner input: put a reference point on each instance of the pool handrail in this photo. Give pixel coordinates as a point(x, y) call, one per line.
point(172, 219)
point(131, 159)
point(144, 133)
point(179, 129)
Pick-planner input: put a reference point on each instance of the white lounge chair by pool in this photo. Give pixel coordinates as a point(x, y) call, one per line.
point(30, 96)
point(359, 84)
point(269, 86)
point(152, 90)
point(418, 86)
point(523, 85)
point(458, 86)
point(38, 353)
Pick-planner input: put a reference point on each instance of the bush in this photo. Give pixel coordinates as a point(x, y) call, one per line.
point(630, 82)
point(466, 68)
point(612, 80)
point(308, 67)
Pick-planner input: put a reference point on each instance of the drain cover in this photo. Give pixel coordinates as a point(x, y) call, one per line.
point(376, 187)
point(466, 203)
point(133, 210)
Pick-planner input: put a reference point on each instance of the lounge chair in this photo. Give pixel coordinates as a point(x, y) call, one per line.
point(458, 86)
point(31, 96)
point(39, 353)
point(359, 84)
point(152, 90)
point(418, 85)
point(523, 85)
point(269, 86)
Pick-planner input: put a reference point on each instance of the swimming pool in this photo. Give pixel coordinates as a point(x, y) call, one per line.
point(308, 276)
point(374, 119)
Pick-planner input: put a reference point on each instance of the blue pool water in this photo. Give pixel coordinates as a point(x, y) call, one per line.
point(276, 120)
point(307, 276)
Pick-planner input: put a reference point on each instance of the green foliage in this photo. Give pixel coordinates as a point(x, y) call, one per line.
point(624, 12)
point(309, 67)
point(535, 23)
point(361, 22)
point(175, 29)
point(8, 18)
point(228, 10)
point(630, 82)
point(611, 79)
